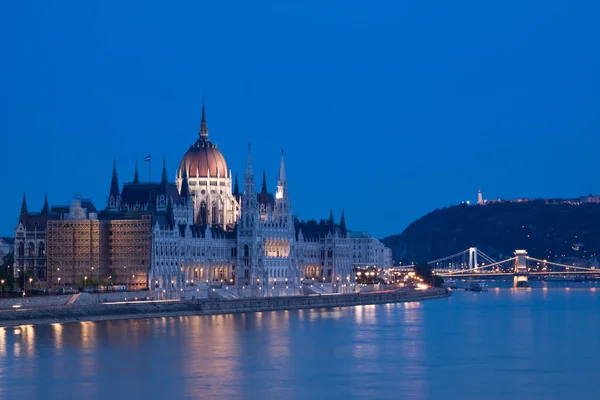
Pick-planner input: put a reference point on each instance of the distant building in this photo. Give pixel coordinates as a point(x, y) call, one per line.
point(368, 251)
point(6, 246)
point(591, 199)
point(30, 239)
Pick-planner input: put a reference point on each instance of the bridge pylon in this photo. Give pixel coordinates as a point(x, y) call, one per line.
point(521, 271)
point(473, 257)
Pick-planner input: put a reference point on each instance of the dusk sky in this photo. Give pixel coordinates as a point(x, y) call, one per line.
point(387, 110)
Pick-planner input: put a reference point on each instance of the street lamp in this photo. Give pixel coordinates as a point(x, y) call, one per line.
point(30, 288)
point(85, 283)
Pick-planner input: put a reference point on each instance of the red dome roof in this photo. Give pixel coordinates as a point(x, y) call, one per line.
point(202, 157)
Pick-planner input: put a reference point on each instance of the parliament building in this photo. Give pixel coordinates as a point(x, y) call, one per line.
point(201, 232)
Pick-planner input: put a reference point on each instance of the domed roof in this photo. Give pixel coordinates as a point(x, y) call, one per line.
point(203, 157)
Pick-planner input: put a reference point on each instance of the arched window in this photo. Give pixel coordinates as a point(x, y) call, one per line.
point(41, 250)
point(246, 251)
point(215, 215)
point(21, 249)
point(31, 250)
point(202, 214)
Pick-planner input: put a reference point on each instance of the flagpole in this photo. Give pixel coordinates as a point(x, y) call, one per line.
point(149, 168)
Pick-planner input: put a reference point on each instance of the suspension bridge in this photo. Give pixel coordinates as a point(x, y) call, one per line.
point(473, 262)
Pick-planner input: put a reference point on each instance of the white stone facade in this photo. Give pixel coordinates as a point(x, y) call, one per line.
point(267, 252)
point(213, 237)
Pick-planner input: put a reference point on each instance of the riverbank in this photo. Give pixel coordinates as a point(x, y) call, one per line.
point(133, 310)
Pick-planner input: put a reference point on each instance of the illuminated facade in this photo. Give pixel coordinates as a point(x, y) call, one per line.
point(211, 234)
point(198, 232)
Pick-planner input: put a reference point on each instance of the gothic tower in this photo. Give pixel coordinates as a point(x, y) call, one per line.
point(114, 197)
point(249, 272)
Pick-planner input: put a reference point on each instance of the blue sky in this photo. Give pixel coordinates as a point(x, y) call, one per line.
point(385, 109)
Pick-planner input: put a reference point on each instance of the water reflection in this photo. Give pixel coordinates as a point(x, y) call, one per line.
point(2, 342)
point(411, 350)
point(57, 334)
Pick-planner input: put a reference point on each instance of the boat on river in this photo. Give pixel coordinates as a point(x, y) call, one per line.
point(477, 286)
point(450, 283)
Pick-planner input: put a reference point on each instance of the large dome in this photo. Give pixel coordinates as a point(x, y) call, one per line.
point(203, 157)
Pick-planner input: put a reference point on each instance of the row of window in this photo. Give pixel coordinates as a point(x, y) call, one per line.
point(31, 250)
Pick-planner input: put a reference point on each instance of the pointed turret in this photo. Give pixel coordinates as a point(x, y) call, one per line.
point(343, 223)
point(136, 175)
point(114, 197)
point(164, 179)
point(331, 221)
point(45, 209)
point(203, 128)
point(185, 188)
point(282, 170)
point(24, 205)
point(249, 200)
point(283, 208)
point(264, 194)
point(249, 177)
point(114, 183)
point(236, 189)
point(23, 214)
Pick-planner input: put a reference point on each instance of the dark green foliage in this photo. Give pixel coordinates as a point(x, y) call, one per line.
point(424, 271)
point(544, 230)
point(6, 273)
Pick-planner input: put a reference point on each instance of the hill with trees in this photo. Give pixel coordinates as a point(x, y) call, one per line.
point(498, 229)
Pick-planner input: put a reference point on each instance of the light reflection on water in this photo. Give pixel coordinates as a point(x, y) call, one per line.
point(506, 343)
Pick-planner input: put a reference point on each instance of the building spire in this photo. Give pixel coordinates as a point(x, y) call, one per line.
point(24, 205)
point(114, 183)
point(203, 128)
point(136, 175)
point(249, 178)
point(45, 209)
point(264, 182)
point(185, 188)
point(331, 221)
point(236, 188)
point(343, 223)
point(164, 179)
point(264, 194)
point(282, 170)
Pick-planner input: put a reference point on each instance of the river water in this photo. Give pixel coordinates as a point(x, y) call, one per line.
point(502, 344)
